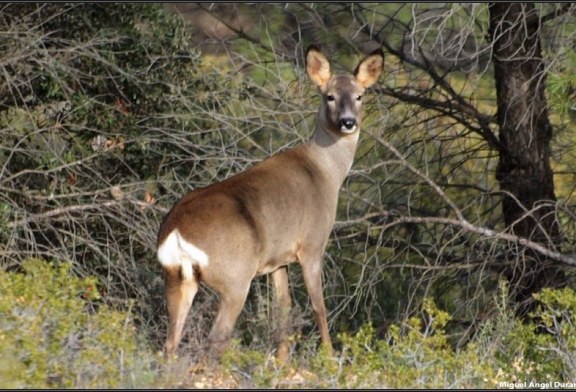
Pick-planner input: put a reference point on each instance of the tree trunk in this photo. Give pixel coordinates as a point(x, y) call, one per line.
point(524, 171)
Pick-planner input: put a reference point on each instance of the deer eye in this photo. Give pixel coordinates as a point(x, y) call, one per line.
point(359, 98)
point(330, 98)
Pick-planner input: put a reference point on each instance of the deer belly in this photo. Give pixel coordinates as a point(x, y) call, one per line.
point(274, 263)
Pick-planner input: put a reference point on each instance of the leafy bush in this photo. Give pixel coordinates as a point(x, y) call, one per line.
point(417, 353)
point(542, 349)
point(55, 334)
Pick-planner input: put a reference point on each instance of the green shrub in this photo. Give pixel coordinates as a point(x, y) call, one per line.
point(541, 350)
point(557, 314)
point(417, 353)
point(54, 334)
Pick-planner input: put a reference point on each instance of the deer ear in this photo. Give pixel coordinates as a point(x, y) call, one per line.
point(318, 67)
point(369, 69)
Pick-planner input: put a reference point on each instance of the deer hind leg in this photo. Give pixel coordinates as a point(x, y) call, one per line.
point(312, 272)
point(180, 293)
point(283, 304)
point(231, 304)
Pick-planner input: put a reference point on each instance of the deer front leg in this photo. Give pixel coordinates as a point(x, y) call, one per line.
point(283, 304)
point(312, 271)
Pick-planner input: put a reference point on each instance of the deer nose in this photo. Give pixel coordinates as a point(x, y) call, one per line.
point(347, 124)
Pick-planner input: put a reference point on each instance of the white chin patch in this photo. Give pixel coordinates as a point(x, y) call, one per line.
point(176, 251)
point(345, 130)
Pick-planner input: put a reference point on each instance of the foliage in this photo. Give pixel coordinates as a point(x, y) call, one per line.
point(56, 333)
point(417, 352)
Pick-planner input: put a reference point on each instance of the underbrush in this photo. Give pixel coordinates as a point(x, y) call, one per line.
point(417, 353)
point(55, 332)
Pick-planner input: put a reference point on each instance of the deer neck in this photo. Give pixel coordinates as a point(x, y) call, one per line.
point(333, 152)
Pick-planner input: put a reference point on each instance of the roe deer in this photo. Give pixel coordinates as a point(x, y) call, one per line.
point(277, 212)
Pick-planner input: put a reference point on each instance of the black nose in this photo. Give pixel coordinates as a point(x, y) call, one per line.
point(348, 123)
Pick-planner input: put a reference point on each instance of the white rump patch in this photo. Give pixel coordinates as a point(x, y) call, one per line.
point(176, 251)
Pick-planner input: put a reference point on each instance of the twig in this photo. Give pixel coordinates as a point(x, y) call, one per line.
point(78, 208)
